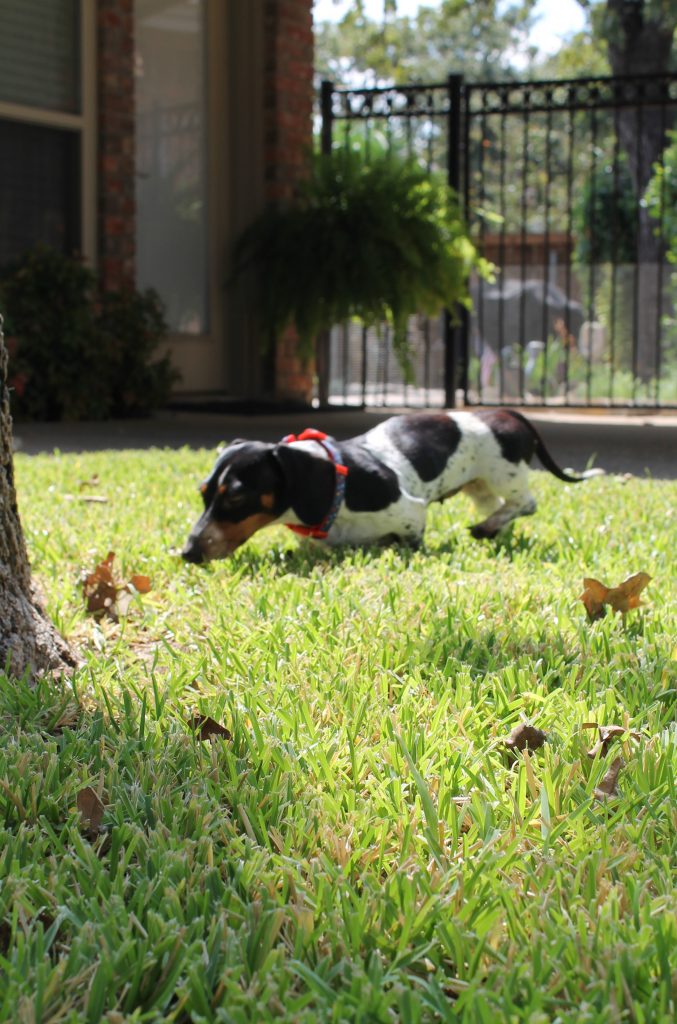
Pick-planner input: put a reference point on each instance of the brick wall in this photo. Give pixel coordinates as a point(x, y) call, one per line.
point(116, 206)
point(288, 98)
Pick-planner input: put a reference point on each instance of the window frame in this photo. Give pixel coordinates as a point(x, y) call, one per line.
point(82, 123)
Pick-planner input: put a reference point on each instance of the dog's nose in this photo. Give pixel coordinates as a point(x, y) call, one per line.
point(192, 552)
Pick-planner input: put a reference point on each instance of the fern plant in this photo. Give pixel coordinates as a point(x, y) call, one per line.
point(377, 240)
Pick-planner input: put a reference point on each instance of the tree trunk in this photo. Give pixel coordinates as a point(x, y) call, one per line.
point(641, 44)
point(28, 641)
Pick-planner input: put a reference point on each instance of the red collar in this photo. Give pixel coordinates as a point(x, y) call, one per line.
point(322, 529)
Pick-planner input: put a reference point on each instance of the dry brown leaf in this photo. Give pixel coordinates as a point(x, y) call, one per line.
point(206, 728)
point(608, 786)
point(622, 598)
point(607, 734)
point(104, 595)
point(91, 808)
point(141, 583)
point(593, 597)
point(100, 589)
point(524, 735)
point(626, 595)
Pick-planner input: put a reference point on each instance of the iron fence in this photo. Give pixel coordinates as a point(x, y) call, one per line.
point(562, 190)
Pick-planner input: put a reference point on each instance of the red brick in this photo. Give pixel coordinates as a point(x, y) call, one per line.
point(116, 142)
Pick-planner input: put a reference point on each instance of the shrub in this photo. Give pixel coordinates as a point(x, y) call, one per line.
point(373, 238)
point(661, 195)
point(605, 217)
point(661, 201)
point(130, 325)
point(75, 352)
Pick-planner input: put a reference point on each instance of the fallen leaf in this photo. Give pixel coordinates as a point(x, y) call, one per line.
point(206, 728)
point(607, 734)
point(524, 735)
point(622, 598)
point(141, 584)
point(99, 587)
point(104, 595)
point(91, 809)
point(593, 597)
point(607, 787)
point(93, 499)
point(626, 595)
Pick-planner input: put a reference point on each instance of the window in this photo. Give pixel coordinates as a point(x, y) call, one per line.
point(39, 189)
point(47, 169)
point(40, 54)
point(171, 115)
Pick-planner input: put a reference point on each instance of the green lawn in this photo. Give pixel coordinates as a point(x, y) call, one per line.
point(363, 847)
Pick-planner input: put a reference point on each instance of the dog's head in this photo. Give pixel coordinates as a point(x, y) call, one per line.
point(243, 493)
point(252, 485)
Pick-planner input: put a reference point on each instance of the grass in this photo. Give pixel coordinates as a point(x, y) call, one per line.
point(362, 848)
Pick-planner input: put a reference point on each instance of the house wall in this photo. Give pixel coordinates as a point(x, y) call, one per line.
point(116, 206)
point(288, 140)
point(265, 91)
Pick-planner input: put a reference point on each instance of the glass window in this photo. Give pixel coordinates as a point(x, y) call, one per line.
point(39, 188)
point(40, 53)
point(171, 234)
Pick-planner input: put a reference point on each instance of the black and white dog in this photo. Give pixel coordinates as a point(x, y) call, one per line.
point(375, 487)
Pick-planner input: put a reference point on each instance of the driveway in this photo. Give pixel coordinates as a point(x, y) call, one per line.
point(620, 442)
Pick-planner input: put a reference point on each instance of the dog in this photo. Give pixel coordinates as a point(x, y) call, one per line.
point(374, 488)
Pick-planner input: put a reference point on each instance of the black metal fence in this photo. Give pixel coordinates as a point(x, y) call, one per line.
point(567, 189)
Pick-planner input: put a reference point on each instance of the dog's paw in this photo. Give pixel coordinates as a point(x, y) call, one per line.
point(481, 532)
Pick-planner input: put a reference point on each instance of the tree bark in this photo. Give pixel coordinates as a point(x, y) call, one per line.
point(639, 42)
point(29, 642)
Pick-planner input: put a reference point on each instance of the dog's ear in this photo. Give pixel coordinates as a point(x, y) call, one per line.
point(223, 446)
point(309, 482)
point(208, 486)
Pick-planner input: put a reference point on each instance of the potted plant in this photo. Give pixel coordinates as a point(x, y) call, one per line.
point(376, 239)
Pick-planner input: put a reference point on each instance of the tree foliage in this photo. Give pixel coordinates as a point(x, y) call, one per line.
point(480, 40)
point(485, 41)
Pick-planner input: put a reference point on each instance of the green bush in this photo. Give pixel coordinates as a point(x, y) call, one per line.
point(605, 217)
point(77, 352)
point(374, 238)
point(661, 201)
point(661, 195)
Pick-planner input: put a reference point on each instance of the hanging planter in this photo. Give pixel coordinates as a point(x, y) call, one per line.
point(378, 240)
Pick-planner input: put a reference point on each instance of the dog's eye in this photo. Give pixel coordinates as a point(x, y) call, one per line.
point(231, 492)
point(236, 498)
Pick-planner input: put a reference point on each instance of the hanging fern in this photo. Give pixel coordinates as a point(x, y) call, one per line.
point(378, 240)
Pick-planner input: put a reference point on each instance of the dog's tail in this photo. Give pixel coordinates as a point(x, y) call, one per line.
point(547, 460)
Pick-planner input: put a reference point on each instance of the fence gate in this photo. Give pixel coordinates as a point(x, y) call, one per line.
point(563, 190)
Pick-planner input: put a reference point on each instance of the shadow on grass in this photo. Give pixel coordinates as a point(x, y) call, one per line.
point(309, 558)
point(512, 544)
